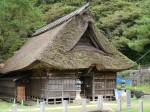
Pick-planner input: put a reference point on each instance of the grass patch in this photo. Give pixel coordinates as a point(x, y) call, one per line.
point(144, 88)
point(6, 107)
point(135, 106)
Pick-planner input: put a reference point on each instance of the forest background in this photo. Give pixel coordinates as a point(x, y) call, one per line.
point(126, 23)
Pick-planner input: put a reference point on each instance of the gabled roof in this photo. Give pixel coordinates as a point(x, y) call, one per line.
point(55, 49)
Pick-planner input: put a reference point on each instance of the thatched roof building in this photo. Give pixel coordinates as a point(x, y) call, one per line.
point(72, 42)
point(60, 54)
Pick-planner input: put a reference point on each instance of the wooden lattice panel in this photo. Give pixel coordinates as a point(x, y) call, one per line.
point(54, 85)
point(104, 84)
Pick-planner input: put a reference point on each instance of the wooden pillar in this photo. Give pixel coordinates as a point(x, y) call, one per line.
point(105, 79)
point(62, 88)
point(15, 90)
point(93, 88)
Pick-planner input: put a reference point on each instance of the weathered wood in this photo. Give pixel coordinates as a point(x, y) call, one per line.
point(62, 97)
point(20, 93)
point(54, 87)
point(7, 87)
point(104, 85)
point(59, 85)
point(93, 88)
point(88, 71)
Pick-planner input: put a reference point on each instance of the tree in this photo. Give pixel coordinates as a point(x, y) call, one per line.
point(18, 18)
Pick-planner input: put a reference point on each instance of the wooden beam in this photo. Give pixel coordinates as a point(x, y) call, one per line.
point(62, 82)
point(88, 71)
point(15, 91)
point(93, 88)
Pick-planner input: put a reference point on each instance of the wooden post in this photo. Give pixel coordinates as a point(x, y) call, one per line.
point(62, 88)
point(140, 106)
point(100, 102)
point(65, 104)
point(119, 105)
point(47, 99)
point(93, 88)
point(14, 108)
point(42, 107)
point(105, 83)
point(83, 105)
point(128, 98)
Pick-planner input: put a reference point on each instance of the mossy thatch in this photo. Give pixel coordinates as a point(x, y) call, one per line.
point(53, 49)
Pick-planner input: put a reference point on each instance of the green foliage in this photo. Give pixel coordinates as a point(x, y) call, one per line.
point(59, 10)
point(126, 23)
point(124, 74)
point(144, 88)
point(17, 19)
point(139, 44)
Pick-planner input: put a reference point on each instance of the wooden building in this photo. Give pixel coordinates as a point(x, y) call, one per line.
point(58, 54)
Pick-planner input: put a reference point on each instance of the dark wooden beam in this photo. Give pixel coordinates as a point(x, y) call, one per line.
point(88, 71)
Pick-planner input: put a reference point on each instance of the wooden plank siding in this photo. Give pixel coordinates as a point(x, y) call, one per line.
point(7, 87)
point(99, 83)
point(55, 86)
point(52, 86)
point(104, 84)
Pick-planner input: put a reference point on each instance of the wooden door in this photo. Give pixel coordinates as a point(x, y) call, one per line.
point(20, 93)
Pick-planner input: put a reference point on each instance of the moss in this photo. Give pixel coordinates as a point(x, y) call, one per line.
point(57, 51)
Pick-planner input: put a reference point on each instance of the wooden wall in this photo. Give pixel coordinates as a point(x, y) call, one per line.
point(52, 85)
point(100, 83)
point(105, 84)
point(61, 84)
point(86, 88)
point(7, 87)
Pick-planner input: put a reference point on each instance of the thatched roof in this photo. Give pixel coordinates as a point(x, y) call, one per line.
point(56, 48)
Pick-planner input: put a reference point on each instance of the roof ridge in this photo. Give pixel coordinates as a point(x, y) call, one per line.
point(61, 20)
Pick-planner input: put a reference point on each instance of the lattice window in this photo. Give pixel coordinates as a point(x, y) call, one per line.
point(110, 83)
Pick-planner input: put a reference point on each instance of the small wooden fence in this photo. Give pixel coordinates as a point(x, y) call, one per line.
point(84, 109)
